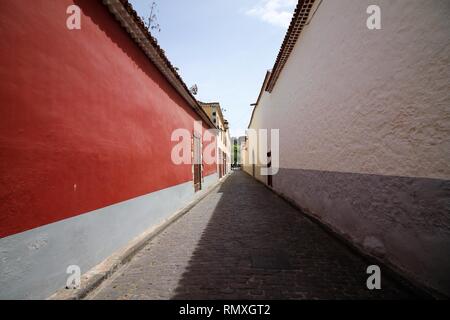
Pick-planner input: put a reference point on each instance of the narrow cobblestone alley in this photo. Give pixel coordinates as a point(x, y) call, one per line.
point(244, 242)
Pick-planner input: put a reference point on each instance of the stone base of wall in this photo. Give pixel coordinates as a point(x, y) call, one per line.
point(403, 221)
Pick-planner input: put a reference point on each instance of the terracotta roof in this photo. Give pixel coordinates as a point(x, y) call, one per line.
point(129, 19)
point(298, 21)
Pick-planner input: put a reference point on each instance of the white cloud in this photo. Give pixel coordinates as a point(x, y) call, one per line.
point(276, 12)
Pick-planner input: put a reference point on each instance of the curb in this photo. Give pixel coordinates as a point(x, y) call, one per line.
point(92, 279)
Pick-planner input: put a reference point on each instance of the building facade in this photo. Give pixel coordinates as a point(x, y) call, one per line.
point(86, 123)
point(364, 128)
point(224, 147)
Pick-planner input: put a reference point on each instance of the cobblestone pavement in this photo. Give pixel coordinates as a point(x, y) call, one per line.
point(244, 242)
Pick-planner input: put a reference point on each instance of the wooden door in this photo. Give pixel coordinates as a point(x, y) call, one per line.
point(224, 163)
point(220, 164)
point(269, 167)
point(197, 163)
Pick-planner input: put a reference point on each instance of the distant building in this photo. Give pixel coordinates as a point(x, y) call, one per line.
point(238, 144)
point(214, 112)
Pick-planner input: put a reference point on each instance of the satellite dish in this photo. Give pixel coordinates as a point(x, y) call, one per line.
point(194, 89)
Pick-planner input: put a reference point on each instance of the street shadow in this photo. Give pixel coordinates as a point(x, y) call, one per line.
point(257, 246)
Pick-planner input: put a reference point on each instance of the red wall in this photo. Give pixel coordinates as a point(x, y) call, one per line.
point(84, 108)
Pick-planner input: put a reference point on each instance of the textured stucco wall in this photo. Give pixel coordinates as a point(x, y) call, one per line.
point(85, 143)
point(374, 104)
point(86, 119)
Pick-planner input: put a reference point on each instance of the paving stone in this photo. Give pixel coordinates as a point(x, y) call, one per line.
point(227, 246)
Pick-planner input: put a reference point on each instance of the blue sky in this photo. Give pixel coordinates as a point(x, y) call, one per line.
point(223, 46)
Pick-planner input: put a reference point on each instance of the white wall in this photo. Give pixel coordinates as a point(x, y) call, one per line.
point(364, 119)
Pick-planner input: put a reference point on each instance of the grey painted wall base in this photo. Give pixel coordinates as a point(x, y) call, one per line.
point(33, 263)
point(403, 221)
point(210, 180)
